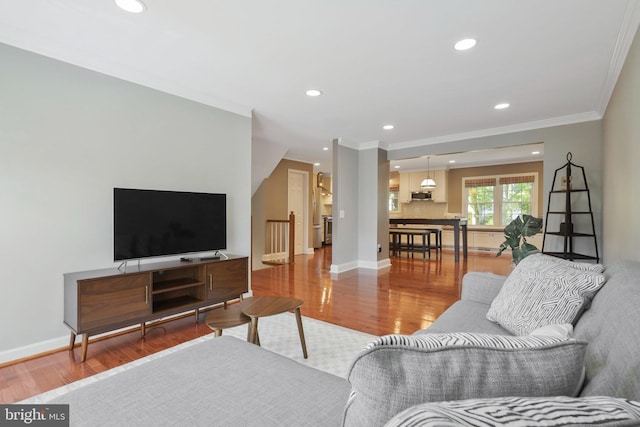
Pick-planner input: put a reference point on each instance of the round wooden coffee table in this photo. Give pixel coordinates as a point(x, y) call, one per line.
point(227, 318)
point(261, 306)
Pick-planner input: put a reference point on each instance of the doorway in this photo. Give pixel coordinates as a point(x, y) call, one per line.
point(298, 196)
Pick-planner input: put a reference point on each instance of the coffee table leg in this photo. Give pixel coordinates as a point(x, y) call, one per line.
point(254, 330)
point(301, 331)
point(249, 339)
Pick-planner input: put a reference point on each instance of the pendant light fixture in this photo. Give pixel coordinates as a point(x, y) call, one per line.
point(428, 183)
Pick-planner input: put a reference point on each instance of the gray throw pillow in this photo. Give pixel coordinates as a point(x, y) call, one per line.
point(542, 291)
point(396, 372)
point(545, 411)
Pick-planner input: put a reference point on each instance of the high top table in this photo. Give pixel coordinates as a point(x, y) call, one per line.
point(457, 223)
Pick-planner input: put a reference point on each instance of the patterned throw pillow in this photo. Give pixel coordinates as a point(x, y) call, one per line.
point(546, 411)
point(541, 291)
point(596, 268)
point(396, 372)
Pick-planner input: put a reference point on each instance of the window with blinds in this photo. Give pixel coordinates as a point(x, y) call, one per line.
point(497, 200)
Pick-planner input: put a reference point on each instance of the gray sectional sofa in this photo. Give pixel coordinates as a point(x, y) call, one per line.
point(463, 369)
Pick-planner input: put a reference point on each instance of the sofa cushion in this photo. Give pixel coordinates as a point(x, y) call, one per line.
point(465, 316)
point(481, 287)
point(556, 411)
point(542, 291)
point(395, 372)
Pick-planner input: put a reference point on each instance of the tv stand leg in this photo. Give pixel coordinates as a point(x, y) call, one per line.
point(143, 329)
point(85, 345)
point(72, 341)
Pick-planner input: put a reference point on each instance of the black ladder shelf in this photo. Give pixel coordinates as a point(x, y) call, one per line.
point(569, 212)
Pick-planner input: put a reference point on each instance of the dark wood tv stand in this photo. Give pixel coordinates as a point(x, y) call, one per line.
point(99, 301)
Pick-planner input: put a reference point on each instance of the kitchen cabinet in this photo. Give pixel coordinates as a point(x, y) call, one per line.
point(410, 183)
point(404, 191)
point(483, 240)
point(487, 239)
point(439, 194)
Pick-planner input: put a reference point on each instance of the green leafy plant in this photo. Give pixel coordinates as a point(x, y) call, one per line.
point(516, 234)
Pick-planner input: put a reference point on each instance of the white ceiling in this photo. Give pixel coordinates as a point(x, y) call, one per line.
point(514, 154)
point(376, 61)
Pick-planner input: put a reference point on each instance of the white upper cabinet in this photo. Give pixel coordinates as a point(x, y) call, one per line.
point(410, 183)
point(404, 192)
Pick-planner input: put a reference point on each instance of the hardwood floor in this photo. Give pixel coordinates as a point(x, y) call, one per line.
point(401, 299)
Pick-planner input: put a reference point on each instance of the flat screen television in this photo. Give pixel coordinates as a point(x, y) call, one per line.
point(151, 223)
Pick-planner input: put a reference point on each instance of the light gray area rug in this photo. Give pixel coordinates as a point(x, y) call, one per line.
point(330, 348)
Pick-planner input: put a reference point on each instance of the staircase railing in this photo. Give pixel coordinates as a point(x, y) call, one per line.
point(280, 241)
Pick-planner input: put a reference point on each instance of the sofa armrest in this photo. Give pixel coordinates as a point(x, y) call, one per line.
point(481, 287)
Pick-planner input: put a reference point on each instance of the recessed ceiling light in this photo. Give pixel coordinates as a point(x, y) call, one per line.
point(387, 127)
point(316, 164)
point(535, 152)
point(314, 92)
point(133, 6)
point(452, 161)
point(502, 106)
point(397, 166)
point(465, 44)
point(325, 148)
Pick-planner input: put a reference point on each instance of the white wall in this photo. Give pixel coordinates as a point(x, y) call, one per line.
point(621, 199)
point(67, 137)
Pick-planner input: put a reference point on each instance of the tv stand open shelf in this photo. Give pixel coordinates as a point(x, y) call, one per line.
point(100, 301)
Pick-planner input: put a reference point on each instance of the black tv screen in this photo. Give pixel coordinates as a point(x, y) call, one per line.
point(150, 223)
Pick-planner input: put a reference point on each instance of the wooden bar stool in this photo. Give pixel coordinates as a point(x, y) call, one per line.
point(437, 233)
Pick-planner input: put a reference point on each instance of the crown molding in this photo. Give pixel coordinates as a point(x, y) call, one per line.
point(538, 124)
point(360, 145)
point(628, 29)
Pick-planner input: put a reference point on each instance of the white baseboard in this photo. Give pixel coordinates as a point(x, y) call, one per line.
point(375, 265)
point(33, 349)
point(275, 256)
point(370, 265)
point(341, 268)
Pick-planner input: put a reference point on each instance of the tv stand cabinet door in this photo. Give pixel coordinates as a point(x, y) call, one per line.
point(113, 300)
point(227, 279)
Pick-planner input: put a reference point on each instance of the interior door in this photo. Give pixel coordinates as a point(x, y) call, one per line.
point(297, 203)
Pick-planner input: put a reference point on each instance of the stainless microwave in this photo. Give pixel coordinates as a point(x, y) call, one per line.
point(426, 195)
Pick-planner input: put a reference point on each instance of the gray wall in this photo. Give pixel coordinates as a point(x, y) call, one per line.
point(373, 184)
point(345, 201)
point(383, 207)
point(361, 192)
point(621, 155)
point(67, 137)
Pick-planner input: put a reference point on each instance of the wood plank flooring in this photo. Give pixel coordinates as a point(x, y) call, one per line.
point(401, 299)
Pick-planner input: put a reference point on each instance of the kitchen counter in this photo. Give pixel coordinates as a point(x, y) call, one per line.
point(458, 224)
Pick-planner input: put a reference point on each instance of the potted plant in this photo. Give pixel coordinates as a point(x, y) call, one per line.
point(516, 234)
